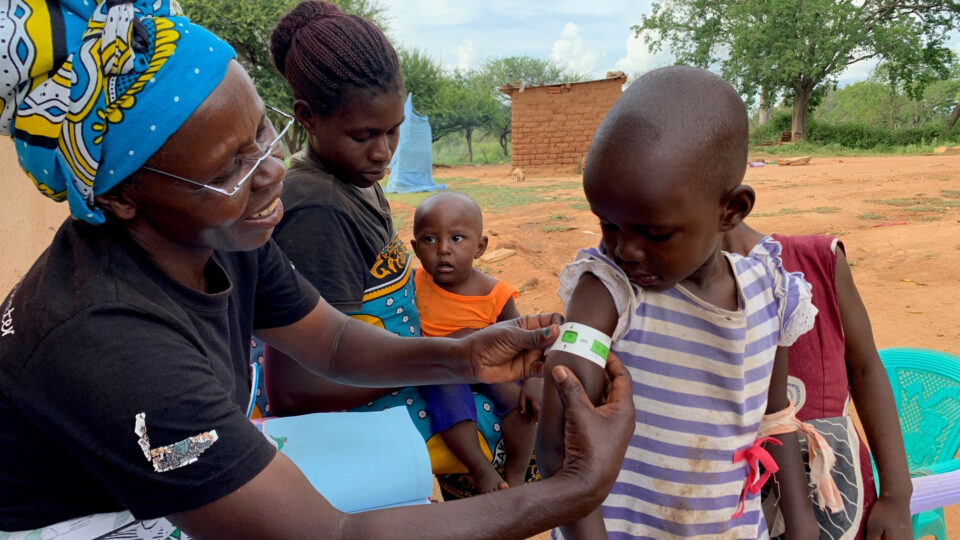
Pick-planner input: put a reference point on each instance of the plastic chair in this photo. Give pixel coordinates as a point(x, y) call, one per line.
point(926, 388)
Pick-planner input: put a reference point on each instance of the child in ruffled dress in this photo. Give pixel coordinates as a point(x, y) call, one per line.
point(703, 332)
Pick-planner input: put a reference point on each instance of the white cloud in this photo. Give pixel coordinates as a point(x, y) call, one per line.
point(466, 55)
point(639, 59)
point(569, 51)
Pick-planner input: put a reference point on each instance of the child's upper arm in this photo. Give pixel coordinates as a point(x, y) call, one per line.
point(861, 350)
point(509, 311)
point(591, 304)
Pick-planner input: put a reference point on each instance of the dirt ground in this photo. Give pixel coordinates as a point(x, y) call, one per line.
point(899, 218)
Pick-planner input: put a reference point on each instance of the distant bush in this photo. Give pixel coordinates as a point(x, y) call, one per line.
point(848, 135)
point(866, 137)
point(780, 121)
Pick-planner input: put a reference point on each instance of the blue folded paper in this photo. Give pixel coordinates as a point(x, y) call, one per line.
point(357, 460)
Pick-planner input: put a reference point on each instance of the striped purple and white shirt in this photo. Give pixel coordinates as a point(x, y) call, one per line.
point(700, 380)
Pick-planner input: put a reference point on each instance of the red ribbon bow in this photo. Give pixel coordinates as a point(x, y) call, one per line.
point(754, 455)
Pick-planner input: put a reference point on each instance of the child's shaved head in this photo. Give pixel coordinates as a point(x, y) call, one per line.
point(680, 114)
point(447, 199)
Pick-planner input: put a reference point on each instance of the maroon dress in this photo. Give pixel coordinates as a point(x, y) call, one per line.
point(817, 369)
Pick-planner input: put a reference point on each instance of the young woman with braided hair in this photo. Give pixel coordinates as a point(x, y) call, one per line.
point(338, 232)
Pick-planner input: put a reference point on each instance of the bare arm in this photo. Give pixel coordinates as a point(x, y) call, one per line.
point(870, 388)
point(347, 351)
point(509, 311)
point(795, 501)
point(596, 441)
point(590, 304)
point(294, 390)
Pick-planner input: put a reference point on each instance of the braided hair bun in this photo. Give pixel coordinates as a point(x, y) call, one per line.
point(321, 51)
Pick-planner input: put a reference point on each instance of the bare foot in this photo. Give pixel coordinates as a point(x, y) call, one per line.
point(488, 479)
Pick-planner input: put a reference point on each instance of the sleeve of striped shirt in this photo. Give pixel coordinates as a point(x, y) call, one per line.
point(591, 261)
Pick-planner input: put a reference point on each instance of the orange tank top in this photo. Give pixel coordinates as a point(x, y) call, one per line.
point(443, 312)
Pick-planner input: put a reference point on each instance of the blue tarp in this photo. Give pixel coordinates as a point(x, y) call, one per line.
point(411, 168)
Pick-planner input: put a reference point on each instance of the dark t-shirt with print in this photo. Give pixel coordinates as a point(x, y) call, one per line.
point(121, 388)
point(332, 231)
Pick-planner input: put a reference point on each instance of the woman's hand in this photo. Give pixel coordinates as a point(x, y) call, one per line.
point(889, 519)
point(511, 350)
point(595, 438)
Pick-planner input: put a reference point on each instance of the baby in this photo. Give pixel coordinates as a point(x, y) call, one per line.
point(455, 299)
point(701, 331)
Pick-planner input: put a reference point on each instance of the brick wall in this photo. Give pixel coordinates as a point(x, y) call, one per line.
point(553, 125)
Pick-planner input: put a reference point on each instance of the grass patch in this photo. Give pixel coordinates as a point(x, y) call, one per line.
point(560, 217)
point(557, 228)
point(929, 256)
point(491, 198)
point(871, 216)
point(793, 210)
point(579, 206)
point(924, 208)
point(923, 204)
point(897, 201)
point(930, 218)
point(950, 193)
point(399, 217)
point(827, 209)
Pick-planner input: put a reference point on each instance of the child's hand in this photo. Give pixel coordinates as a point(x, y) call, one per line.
point(889, 519)
point(530, 397)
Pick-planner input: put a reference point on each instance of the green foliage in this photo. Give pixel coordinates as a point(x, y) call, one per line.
point(844, 136)
point(246, 25)
point(453, 150)
point(769, 48)
point(424, 78)
point(464, 105)
point(874, 103)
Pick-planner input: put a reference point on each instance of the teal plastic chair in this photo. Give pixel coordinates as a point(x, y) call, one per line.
point(926, 387)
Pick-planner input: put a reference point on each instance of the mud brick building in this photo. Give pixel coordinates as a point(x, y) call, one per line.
point(553, 124)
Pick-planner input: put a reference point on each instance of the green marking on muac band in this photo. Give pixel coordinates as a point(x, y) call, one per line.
point(569, 337)
point(599, 349)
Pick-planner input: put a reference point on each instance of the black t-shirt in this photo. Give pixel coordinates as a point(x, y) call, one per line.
point(331, 231)
point(121, 388)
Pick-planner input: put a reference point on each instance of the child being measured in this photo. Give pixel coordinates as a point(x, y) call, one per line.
point(703, 332)
point(455, 299)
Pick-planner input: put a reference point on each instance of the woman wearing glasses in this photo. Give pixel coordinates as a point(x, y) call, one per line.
point(123, 351)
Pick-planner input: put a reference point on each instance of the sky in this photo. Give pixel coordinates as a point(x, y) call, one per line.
point(591, 36)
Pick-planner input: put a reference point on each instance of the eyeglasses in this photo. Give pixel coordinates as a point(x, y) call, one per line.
point(249, 163)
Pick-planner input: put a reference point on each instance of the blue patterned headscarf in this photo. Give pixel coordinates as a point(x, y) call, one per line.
point(90, 90)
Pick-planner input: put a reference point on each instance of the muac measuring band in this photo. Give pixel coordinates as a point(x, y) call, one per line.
point(583, 341)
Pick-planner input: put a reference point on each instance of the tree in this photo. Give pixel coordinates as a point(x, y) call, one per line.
point(246, 26)
point(792, 47)
point(464, 104)
point(525, 70)
point(424, 77)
